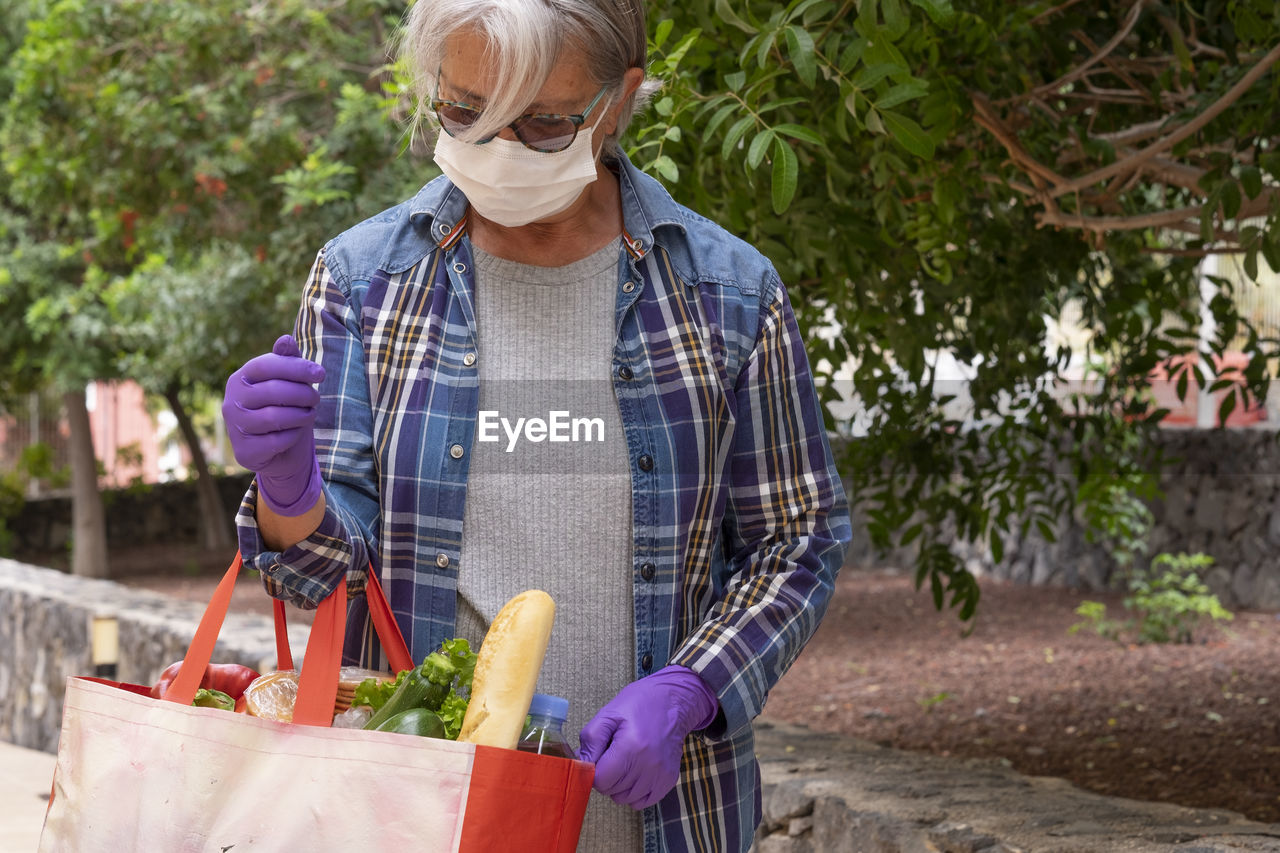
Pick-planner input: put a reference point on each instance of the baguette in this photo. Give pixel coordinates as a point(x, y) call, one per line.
point(507, 668)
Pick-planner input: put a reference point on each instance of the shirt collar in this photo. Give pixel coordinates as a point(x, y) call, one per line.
point(647, 207)
point(441, 209)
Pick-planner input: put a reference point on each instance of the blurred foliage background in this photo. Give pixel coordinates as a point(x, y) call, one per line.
point(944, 186)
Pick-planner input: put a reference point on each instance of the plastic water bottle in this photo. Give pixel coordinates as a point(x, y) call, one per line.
point(544, 730)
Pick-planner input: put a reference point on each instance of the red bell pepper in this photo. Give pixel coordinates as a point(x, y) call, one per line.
point(228, 678)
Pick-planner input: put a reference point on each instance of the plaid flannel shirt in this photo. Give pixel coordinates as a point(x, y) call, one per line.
point(739, 518)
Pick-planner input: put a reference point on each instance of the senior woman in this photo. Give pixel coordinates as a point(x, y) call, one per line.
point(691, 543)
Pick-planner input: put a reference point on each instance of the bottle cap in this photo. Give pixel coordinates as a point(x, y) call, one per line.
point(544, 705)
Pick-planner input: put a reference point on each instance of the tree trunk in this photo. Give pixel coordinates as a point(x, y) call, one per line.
point(88, 520)
point(214, 526)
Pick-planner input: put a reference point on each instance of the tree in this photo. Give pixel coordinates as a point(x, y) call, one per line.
point(53, 330)
point(940, 181)
point(194, 155)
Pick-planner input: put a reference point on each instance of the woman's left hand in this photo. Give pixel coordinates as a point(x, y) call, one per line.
point(636, 739)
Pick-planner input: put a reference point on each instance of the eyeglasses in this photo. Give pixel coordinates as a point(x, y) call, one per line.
point(545, 132)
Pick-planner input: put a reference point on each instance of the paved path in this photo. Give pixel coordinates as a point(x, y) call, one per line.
point(25, 777)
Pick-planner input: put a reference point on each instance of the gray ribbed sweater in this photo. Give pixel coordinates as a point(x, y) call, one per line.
point(554, 515)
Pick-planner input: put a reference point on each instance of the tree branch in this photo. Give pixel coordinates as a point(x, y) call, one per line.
point(1115, 67)
point(1192, 253)
point(1049, 13)
point(1137, 133)
point(987, 119)
point(1177, 218)
point(1131, 21)
point(1213, 111)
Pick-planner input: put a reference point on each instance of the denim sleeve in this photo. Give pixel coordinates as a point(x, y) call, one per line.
point(786, 527)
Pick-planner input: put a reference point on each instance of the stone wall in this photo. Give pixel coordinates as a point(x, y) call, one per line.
point(46, 617)
point(1220, 496)
point(152, 514)
point(823, 793)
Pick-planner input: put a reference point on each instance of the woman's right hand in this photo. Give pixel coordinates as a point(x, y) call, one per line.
point(270, 410)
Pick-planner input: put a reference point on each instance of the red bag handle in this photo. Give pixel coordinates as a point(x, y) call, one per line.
point(318, 681)
point(384, 625)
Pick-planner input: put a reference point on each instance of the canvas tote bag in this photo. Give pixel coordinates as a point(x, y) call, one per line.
point(137, 773)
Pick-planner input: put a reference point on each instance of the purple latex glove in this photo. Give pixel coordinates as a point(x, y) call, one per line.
point(636, 740)
point(269, 409)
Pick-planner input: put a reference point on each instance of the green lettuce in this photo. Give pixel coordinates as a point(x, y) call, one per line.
point(375, 692)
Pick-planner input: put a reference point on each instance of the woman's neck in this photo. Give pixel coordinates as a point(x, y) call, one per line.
point(588, 225)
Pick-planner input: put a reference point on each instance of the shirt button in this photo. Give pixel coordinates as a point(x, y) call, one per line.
point(628, 287)
point(624, 373)
point(648, 570)
point(645, 462)
point(456, 451)
point(469, 359)
point(646, 663)
point(442, 560)
point(459, 267)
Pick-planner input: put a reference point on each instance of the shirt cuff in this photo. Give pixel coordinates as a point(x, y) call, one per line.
point(306, 573)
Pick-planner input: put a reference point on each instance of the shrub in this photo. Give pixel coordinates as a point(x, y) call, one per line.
point(1168, 602)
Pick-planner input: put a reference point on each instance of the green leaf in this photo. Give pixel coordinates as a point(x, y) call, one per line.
point(1230, 199)
point(1270, 251)
point(661, 32)
point(902, 93)
point(735, 80)
point(1225, 409)
point(852, 54)
point(726, 13)
point(796, 131)
point(1251, 264)
point(1270, 161)
point(673, 58)
point(874, 123)
point(764, 46)
point(755, 152)
point(736, 132)
point(1180, 49)
point(911, 534)
point(873, 74)
point(667, 168)
point(851, 103)
point(785, 175)
point(896, 22)
point(1249, 26)
point(939, 11)
point(1251, 181)
point(718, 119)
point(797, 10)
point(781, 104)
point(801, 51)
point(908, 134)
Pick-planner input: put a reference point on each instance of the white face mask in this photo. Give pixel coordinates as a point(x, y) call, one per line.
point(513, 185)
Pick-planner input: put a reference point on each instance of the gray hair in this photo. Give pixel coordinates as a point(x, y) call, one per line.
point(524, 38)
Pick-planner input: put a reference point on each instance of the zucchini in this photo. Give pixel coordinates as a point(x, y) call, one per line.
point(423, 687)
point(415, 721)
